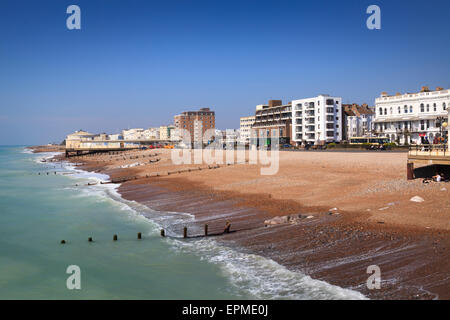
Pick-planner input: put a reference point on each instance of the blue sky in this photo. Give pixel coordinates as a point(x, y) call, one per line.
point(138, 63)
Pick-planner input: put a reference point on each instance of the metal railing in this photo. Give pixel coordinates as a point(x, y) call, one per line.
point(440, 150)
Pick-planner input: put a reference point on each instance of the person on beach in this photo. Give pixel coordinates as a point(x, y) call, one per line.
point(438, 177)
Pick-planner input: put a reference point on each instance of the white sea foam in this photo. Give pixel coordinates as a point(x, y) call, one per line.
point(27, 150)
point(252, 274)
point(44, 156)
point(261, 277)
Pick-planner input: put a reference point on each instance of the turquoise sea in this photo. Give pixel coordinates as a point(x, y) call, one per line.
point(38, 211)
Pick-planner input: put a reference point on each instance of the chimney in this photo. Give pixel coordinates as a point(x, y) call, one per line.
point(398, 94)
point(439, 88)
point(425, 89)
point(384, 94)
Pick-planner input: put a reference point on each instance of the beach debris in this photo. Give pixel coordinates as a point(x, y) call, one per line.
point(333, 209)
point(417, 199)
point(381, 222)
point(444, 189)
point(276, 220)
point(227, 227)
point(309, 217)
point(384, 208)
point(139, 235)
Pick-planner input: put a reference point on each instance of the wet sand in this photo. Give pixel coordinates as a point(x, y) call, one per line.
point(374, 223)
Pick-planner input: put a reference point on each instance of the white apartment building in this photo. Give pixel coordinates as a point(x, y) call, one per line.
point(412, 117)
point(317, 120)
point(245, 129)
point(166, 132)
point(140, 134)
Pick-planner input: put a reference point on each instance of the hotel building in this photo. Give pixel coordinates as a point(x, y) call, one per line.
point(317, 120)
point(412, 117)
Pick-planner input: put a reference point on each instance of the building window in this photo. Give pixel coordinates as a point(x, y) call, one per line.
point(392, 110)
point(399, 110)
point(385, 111)
point(380, 111)
point(444, 107)
point(411, 109)
point(406, 109)
point(428, 108)
point(422, 108)
point(434, 107)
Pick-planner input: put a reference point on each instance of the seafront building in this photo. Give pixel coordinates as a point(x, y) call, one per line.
point(141, 134)
point(273, 118)
point(412, 117)
point(317, 120)
point(357, 120)
point(166, 132)
point(84, 140)
point(74, 140)
point(245, 129)
point(195, 122)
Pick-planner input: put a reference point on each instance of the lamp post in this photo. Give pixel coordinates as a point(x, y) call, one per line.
point(441, 122)
point(444, 125)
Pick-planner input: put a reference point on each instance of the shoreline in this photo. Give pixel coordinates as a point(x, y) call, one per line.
point(336, 248)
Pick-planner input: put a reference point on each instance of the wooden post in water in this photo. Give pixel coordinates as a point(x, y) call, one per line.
point(115, 237)
point(163, 233)
point(139, 235)
point(63, 241)
point(185, 232)
point(90, 239)
point(206, 230)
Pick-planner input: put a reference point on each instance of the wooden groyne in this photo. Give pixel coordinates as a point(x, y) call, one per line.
point(185, 235)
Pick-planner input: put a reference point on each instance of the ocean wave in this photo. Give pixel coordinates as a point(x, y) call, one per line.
point(27, 150)
point(263, 278)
